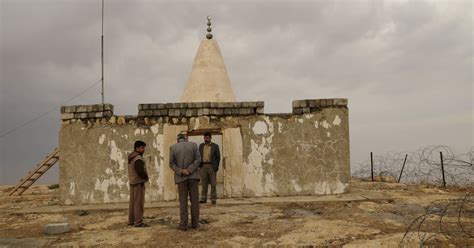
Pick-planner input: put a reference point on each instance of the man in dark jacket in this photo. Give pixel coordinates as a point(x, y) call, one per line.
point(211, 158)
point(137, 176)
point(185, 161)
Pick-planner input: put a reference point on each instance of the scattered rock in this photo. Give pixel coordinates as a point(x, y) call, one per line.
point(112, 120)
point(434, 210)
point(166, 221)
point(121, 120)
point(83, 213)
point(392, 222)
point(204, 221)
point(302, 213)
point(68, 202)
point(53, 186)
point(370, 207)
point(56, 228)
point(387, 177)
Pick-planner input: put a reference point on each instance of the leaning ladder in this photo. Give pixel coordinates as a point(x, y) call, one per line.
point(36, 173)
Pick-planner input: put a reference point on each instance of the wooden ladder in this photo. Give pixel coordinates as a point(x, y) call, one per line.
point(36, 173)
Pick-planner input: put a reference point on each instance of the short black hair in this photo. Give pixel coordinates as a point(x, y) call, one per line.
point(207, 134)
point(138, 143)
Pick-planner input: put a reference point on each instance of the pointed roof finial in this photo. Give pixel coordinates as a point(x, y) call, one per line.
point(209, 29)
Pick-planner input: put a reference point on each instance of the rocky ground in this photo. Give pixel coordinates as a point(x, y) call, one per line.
point(370, 215)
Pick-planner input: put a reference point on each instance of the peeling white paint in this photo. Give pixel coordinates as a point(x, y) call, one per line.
point(260, 127)
point(329, 134)
point(316, 124)
point(308, 116)
point(325, 188)
point(280, 127)
point(101, 139)
point(322, 188)
point(103, 186)
point(160, 171)
point(140, 131)
point(269, 187)
point(155, 129)
point(116, 155)
point(86, 196)
point(300, 121)
point(254, 171)
point(260, 183)
point(326, 124)
point(336, 121)
point(196, 124)
point(158, 142)
point(270, 127)
point(72, 188)
point(296, 186)
point(340, 188)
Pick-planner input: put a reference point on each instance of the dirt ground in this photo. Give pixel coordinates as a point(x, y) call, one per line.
point(370, 215)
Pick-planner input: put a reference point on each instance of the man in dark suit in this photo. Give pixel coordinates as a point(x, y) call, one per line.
point(211, 158)
point(184, 161)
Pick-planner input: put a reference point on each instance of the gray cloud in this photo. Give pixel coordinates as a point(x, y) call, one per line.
point(406, 66)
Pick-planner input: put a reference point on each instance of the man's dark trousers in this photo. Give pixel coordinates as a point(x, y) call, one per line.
point(136, 204)
point(208, 175)
point(189, 187)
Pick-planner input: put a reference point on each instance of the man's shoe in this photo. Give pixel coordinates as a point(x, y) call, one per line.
point(195, 226)
point(142, 225)
point(182, 228)
point(213, 202)
point(202, 201)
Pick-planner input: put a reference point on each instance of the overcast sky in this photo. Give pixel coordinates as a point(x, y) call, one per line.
point(405, 66)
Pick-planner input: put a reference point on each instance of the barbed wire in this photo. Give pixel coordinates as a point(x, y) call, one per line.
point(423, 166)
point(444, 220)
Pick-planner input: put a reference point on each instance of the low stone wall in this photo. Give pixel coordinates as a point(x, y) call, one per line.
point(200, 109)
point(87, 111)
point(314, 105)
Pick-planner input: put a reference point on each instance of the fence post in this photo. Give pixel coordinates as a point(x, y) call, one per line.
point(403, 166)
point(371, 166)
point(442, 168)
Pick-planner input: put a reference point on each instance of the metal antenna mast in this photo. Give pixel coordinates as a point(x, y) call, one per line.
point(102, 52)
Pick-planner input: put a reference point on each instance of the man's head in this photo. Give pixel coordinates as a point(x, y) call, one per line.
point(207, 138)
point(139, 146)
point(181, 137)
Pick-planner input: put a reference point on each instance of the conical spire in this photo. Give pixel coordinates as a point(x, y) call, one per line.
point(208, 81)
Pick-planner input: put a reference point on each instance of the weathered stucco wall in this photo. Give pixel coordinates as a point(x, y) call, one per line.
point(304, 153)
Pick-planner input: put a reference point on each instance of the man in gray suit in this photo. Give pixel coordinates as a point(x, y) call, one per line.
point(184, 161)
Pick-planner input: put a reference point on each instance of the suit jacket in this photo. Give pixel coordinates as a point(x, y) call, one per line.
point(185, 155)
point(215, 155)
